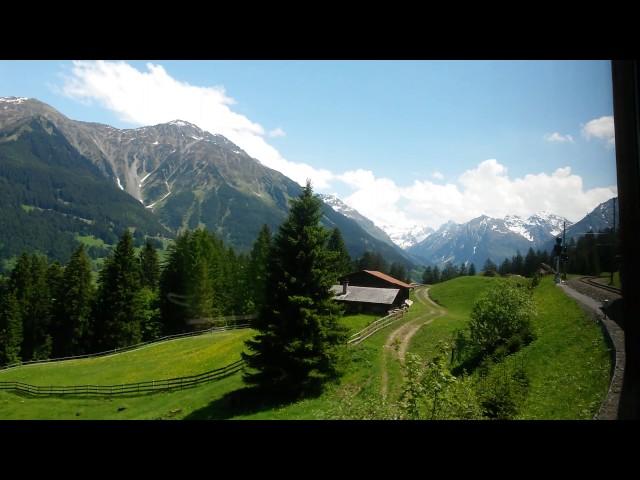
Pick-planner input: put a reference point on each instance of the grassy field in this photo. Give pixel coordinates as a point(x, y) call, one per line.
point(174, 358)
point(568, 364)
point(457, 296)
point(210, 401)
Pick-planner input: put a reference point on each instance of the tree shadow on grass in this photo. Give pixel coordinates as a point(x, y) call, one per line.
point(250, 400)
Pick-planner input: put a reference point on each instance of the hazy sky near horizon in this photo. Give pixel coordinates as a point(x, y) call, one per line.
point(403, 142)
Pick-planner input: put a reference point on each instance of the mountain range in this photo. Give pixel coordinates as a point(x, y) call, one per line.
point(95, 180)
point(483, 237)
point(63, 180)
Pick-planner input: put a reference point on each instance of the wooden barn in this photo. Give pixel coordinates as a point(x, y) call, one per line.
point(371, 291)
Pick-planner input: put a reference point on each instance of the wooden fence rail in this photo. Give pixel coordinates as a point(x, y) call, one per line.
point(149, 386)
point(374, 326)
point(130, 347)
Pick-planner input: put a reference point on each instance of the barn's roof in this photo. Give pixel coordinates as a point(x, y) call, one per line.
point(384, 296)
point(388, 278)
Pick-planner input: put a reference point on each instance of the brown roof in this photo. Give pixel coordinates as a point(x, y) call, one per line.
point(388, 278)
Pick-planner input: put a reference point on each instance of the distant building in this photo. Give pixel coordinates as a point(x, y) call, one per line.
point(371, 291)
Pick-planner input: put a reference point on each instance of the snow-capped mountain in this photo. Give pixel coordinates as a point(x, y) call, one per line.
point(403, 237)
point(367, 225)
point(408, 236)
point(177, 175)
point(600, 218)
point(485, 237)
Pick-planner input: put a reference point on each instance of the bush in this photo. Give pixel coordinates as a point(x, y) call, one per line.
point(535, 281)
point(432, 392)
point(502, 391)
point(501, 317)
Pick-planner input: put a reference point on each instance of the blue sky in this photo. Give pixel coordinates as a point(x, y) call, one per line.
point(401, 121)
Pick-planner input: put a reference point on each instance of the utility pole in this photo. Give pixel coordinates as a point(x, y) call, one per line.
point(557, 251)
point(613, 243)
point(565, 256)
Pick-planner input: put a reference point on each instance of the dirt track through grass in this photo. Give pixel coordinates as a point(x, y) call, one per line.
point(398, 341)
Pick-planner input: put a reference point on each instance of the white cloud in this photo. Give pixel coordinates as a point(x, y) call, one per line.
point(277, 132)
point(153, 96)
point(486, 189)
point(602, 128)
point(556, 137)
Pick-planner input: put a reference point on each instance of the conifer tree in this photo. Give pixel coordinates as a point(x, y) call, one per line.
point(10, 329)
point(472, 270)
point(530, 263)
point(490, 268)
point(29, 283)
point(398, 271)
point(149, 266)
point(118, 312)
point(517, 264)
point(299, 337)
point(257, 269)
point(174, 303)
point(427, 276)
point(341, 260)
point(505, 267)
point(73, 307)
point(448, 272)
point(435, 275)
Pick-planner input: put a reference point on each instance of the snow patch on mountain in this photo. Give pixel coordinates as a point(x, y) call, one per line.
point(406, 237)
point(15, 100)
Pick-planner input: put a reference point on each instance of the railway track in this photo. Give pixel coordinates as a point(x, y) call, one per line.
point(591, 281)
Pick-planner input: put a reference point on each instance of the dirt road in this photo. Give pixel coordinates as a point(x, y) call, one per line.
point(397, 344)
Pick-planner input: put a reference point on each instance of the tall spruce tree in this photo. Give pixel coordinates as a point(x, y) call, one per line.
point(342, 264)
point(174, 304)
point(149, 266)
point(257, 269)
point(10, 329)
point(299, 337)
point(118, 311)
point(472, 270)
point(427, 276)
point(490, 268)
point(531, 263)
point(73, 307)
point(29, 283)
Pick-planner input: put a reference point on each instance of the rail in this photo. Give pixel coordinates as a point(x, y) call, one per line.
point(178, 383)
point(374, 327)
point(130, 347)
point(591, 281)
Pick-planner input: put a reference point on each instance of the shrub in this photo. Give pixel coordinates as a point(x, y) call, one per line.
point(501, 317)
point(502, 391)
point(432, 392)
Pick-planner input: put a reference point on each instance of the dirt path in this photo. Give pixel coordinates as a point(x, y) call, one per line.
point(397, 343)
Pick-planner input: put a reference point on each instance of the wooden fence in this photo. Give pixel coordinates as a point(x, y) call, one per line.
point(375, 326)
point(131, 347)
point(151, 386)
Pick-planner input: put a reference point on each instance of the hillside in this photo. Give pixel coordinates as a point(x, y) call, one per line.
point(175, 174)
point(50, 194)
point(567, 365)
